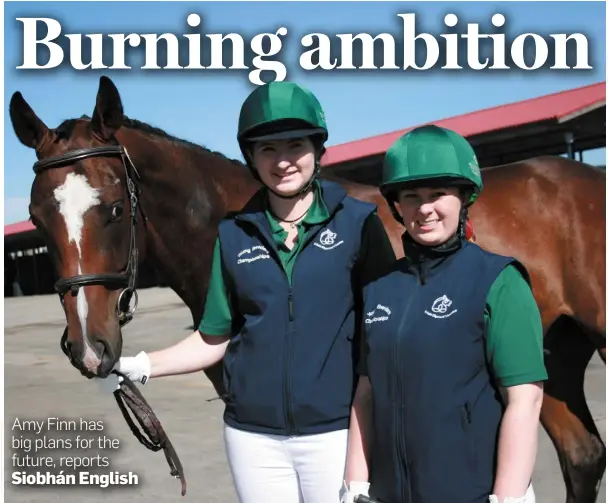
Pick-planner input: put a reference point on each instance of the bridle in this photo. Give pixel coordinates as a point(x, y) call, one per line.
point(127, 395)
point(126, 279)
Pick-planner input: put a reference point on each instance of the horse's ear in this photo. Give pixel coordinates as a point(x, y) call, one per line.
point(30, 130)
point(108, 113)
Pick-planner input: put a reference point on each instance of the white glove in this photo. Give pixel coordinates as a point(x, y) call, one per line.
point(136, 368)
point(529, 497)
point(353, 490)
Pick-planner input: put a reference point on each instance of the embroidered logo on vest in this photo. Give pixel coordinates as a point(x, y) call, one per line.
point(327, 240)
point(371, 318)
point(440, 308)
point(244, 256)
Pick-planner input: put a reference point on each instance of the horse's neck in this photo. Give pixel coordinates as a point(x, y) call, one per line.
point(185, 192)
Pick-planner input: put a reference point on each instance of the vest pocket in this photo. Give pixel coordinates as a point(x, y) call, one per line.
point(469, 435)
point(229, 362)
point(465, 416)
point(228, 395)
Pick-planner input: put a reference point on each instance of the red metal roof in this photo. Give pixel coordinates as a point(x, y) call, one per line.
point(18, 228)
point(549, 107)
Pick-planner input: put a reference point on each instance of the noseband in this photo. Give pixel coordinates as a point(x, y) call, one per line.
point(126, 279)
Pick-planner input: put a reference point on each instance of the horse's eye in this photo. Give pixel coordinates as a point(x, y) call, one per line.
point(117, 211)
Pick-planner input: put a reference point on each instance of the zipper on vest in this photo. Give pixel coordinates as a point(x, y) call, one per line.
point(406, 488)
point(289, 420)
point(291, 426)
point(287, 386)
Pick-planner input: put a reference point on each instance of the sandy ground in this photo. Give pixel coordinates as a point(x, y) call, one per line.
point(40, 383)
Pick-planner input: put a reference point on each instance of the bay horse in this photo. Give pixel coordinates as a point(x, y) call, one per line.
point(111, 193)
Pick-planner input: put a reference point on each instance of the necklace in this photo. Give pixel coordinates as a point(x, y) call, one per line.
point(292, 223)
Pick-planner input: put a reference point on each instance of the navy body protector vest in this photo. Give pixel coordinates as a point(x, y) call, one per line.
point(436, 410)
point(290, 366)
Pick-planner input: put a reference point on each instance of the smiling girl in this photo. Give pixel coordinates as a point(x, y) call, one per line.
point(284, 308)
point(447, 406)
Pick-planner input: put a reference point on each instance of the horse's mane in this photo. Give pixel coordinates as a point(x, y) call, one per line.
point(67, 126)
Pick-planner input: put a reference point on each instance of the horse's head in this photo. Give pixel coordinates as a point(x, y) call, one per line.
point(84, 203)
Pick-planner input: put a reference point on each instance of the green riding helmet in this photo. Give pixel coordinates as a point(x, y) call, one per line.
point(278, 111)
point(430, 156)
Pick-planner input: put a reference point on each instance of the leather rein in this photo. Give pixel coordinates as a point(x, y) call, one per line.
point(128, 397)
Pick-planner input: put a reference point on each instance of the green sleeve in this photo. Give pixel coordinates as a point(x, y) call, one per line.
point(217, 319)
point(514, 331)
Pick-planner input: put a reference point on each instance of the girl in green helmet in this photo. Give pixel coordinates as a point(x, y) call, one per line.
point(447, 406)
point(283, 308)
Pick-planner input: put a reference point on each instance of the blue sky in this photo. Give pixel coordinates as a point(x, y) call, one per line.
point(203, 106)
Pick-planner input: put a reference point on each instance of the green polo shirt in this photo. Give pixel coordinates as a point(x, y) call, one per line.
point(316, 214)
point(376, 252)
point(514, 346)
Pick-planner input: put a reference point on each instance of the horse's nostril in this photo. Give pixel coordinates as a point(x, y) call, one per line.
point(100, 347)
point(67, 348)
point(105, 354)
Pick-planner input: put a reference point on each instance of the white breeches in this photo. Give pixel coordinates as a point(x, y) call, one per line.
point(300, 469)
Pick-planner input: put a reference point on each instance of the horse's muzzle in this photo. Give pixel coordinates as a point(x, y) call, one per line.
point(97, 360)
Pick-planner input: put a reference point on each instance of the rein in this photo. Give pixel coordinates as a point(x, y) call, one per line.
point(129, 396)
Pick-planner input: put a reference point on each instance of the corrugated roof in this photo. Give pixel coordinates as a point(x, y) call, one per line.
point(549, 107)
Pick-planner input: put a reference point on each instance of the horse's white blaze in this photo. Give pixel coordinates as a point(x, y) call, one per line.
point(75, 197)
point(90, 359)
